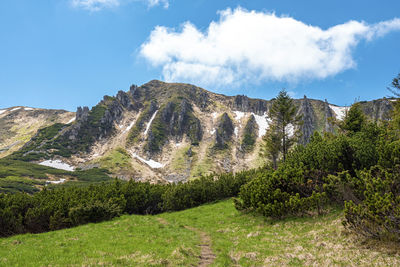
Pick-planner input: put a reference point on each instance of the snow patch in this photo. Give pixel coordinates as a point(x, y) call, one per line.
point(149, 124)
point(57, 164)
point(239, 115)
point(236, 131)
point(212, 131)
point(263, 123)
point(153, 164)
point(178, 144)
point(56, 182)
point(2, 111)
point(71, 120)
point(14, 109)
point(290, 130)
point(214, 115)
point(339, 111)
point(28, 109)
point(129, 127)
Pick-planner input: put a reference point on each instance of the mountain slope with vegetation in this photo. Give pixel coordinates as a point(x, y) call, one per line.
point(169, 132)
point(19, 124)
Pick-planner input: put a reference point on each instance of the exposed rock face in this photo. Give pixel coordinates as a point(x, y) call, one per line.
point(249, 134)
point(245, 104)
point(309, 120)
point(328, 114)
point(175, 120)
point(224, 131)
point(377, 109)
point(82, 113)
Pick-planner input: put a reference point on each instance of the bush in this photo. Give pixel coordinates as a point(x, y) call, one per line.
point(378, 213)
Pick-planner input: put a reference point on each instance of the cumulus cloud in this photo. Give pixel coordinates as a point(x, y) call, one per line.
point(250, 46)
point(97, 5)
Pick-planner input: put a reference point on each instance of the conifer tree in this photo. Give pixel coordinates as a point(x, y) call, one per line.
point(283, 131)
point(354, 119)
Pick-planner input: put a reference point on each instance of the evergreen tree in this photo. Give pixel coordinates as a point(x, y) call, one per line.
point(354, 120)
point(284, 130)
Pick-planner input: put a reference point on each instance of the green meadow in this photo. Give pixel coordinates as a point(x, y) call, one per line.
point(178, 239)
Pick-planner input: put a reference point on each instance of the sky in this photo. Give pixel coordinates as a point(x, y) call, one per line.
point(62, 54)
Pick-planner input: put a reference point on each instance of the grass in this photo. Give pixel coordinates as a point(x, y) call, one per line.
point(116, 160)
point(236, 239)
point(21, 176)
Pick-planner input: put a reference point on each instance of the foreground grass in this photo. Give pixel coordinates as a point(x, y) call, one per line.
point(167, 239)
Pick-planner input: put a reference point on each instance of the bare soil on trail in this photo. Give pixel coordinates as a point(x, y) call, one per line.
point(207, 256)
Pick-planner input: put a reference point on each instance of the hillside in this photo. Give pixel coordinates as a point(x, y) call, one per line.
point(168, 132)
point(214, 233)
point(19, 124)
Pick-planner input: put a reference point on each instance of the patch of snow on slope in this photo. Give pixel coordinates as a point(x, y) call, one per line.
point(58, 164)
point(263, 124)
point(56, 182)
point(2, 111)
point(71, 120)
point(339, 111)
point(14, 109)
point(239, 115)
point(28, 109)
point(236, 131)
point(215, 115)
point(130, 126)
point(149, 124)
point(212, 131)
point(290, 130)
point(153, 164)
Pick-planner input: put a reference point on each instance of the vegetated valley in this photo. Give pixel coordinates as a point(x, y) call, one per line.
point(290, 181)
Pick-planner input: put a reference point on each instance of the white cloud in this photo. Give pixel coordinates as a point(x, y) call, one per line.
point(254, 46)
point(95, 5)
point(164, 3)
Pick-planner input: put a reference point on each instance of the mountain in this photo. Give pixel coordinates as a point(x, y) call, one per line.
point(19, 124)
point(168, 132)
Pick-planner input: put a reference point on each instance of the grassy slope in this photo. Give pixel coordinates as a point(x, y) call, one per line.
point(237, 239)
point(20, 176)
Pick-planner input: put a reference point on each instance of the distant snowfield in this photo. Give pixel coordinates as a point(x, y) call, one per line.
point(239, 115)
point(29, 109)
point(339, 111)
point(153, 164)
point(56, 182)
point(57, 164)
point(71, 120)
point(14, 109)
point(129, 127)
point(263, 124)
point(2, 111)
point(149, 124)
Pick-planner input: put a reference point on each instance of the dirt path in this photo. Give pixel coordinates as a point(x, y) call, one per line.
point(207, 256)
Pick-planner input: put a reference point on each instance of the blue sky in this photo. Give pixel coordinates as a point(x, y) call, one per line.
point(69, 53)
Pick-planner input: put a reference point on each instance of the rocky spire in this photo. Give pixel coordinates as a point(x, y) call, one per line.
point(328, 114)
point(309, 120)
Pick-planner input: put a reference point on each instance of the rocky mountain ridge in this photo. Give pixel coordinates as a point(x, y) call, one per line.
point(171, 132)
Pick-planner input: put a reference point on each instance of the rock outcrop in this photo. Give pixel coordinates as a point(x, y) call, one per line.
point(309, 120)
point(224, 132)
point(249, 135)
point(328, 115)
